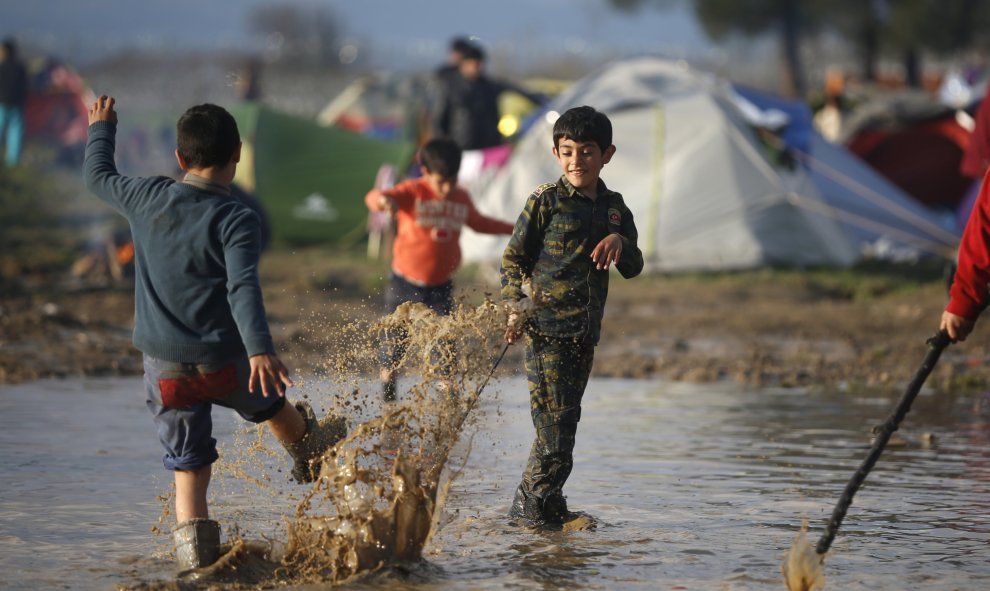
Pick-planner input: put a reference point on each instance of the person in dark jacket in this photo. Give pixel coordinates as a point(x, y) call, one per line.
point(466, 109)
point(13, 96)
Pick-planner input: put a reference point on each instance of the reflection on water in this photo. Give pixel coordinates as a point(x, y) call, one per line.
point(694, 486)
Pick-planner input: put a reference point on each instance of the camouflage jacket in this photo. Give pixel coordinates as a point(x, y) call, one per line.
point(552, 243)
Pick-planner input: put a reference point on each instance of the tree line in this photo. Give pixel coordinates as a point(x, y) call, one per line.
point(903, 30)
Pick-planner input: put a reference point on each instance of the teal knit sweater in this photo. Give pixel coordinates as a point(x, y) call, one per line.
point(197, 294)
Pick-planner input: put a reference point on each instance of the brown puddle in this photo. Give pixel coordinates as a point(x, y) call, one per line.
point(379, 495)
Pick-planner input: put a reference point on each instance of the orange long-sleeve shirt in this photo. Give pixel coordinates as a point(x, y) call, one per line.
point(427, 247)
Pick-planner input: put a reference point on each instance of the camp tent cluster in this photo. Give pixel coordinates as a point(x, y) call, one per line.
point(311, 178)
point(712, 183)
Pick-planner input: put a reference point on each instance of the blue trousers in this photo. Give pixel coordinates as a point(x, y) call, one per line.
point(181, 398)
point(11, 132)
point(439, 298)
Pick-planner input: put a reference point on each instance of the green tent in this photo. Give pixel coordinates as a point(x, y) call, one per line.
point(310, 179)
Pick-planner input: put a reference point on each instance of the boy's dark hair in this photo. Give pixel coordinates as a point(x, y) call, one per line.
point(583, 124)
point(473, 51)
point(460, 44)
point(206, 135)
point(442, 156)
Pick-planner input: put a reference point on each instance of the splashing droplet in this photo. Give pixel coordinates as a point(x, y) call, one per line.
point(802, 567)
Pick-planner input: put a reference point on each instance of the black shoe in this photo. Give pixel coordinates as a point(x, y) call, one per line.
point(320, 436)
point(388, 390)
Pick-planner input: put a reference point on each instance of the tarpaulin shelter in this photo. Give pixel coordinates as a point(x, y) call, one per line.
point(885, 221)
point(707, 187)
point(916, 142)
point(310, 179)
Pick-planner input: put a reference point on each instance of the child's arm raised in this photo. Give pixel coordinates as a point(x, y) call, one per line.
point(102, 110)
point(99, 169)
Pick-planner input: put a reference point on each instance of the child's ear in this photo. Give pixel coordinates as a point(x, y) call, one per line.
point(608, 153)
point(236, 156)
point(554, 150)
point(181, 160)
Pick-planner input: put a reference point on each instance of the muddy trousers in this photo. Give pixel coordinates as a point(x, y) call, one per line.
point(557, 370)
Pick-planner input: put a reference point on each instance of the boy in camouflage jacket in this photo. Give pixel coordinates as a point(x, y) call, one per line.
point(568, 236)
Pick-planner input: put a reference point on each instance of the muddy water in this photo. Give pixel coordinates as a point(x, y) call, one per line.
point(693, 486)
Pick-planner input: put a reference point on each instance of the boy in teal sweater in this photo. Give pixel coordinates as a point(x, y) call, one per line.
point(199, 315)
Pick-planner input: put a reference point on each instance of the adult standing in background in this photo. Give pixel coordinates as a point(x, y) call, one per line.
point(13, 96)
point(455, 55)
point(467, 107)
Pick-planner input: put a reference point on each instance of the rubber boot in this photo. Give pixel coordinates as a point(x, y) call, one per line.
point(555, 508)
point(551, 510)
point(307, 453)
point(197, 543)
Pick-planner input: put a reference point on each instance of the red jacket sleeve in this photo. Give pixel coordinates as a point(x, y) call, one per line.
point(484, 224)
point(968, 294)
point(976, 157)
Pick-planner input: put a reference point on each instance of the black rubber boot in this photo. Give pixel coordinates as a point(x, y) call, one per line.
point(197, 543)
point(320, 436)
point(537, 511)
point(554, 509)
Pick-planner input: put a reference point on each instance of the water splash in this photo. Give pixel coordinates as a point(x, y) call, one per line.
point(802, 567)
point(380, 491)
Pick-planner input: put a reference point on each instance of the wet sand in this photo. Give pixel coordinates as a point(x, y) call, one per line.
point(840, 330)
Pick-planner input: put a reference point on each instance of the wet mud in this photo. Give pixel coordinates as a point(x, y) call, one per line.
point(752, 329)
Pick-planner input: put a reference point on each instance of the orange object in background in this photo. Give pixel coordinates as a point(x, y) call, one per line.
point(125, 254)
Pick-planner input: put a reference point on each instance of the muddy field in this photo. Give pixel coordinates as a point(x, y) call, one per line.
point(843, 329)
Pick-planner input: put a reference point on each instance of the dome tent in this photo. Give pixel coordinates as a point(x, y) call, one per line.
point(705, 185)
point(310, 179)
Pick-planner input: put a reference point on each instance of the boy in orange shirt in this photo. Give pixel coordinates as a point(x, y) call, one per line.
point(429, 212)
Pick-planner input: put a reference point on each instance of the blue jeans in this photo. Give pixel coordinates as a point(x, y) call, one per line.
point(439, 298)
point(12, 132)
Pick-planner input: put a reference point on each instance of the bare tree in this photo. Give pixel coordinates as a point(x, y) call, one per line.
point(296, 33)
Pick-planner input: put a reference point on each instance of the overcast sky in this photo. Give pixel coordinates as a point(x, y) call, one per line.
point(415, 31)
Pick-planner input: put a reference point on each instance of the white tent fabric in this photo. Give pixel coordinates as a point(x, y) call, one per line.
point(692, 170)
